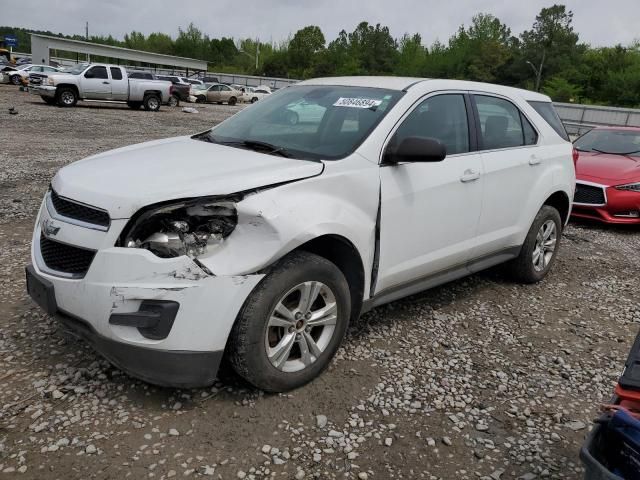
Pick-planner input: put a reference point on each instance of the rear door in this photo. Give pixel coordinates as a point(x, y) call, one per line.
point(512, 165)
point(119, 84)
point(95, 83)
point(429, 211)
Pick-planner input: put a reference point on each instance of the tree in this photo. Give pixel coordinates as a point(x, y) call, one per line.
point(304, 48)
point(160, 43)
point(412, 56)
point(551, 45)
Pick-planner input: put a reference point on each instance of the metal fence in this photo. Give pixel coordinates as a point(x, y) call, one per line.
point(578, 119)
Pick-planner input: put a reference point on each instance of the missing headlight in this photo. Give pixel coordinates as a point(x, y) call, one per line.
point(190, 227)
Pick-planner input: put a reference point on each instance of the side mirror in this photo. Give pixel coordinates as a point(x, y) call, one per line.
point(416, 149)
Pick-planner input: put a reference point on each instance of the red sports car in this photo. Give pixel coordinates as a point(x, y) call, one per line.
point(608, 175)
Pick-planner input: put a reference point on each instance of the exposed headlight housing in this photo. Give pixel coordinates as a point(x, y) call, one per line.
point(633, 187)
point(50, 81)
point(190, 227)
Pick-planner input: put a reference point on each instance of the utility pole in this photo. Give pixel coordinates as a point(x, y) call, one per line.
point(86, 31)
point(538, 70)
point(257, 52)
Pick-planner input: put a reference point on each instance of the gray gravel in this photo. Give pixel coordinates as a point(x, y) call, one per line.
point(480, 378)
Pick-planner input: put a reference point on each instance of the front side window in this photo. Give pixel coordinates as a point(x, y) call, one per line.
point(309, 122)
point(116, 73)
point(97, 72)
point(444, 118)
point(502, 125)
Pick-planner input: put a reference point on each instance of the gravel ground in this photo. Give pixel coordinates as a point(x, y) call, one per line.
point(480, 378)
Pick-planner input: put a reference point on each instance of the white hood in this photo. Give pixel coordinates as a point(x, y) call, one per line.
point(124, 180)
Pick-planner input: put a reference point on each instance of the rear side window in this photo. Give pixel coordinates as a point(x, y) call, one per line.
point(116, 74)
point(546, 111)
point(502, 125)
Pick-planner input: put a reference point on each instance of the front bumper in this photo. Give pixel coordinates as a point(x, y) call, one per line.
point(43, 90)
point(119, 281)
point(619, 204)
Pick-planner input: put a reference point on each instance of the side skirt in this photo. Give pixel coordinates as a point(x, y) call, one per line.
point(445, 276)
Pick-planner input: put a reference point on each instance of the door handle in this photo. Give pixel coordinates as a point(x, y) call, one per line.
point(106, 83)
point(469, 176)
point(534, 160)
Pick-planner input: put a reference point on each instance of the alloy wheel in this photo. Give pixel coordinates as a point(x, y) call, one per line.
point(545, 246)
point(301, 326)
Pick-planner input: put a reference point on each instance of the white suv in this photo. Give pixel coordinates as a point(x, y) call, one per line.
point(261, 238)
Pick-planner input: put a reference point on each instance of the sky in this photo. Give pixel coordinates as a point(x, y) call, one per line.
point(597, 22)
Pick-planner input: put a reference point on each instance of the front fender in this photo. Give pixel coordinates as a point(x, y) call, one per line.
point(342, 201)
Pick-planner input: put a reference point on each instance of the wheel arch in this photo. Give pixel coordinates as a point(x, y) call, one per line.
point(343, 254)
point(560, 201)
point(68, 85)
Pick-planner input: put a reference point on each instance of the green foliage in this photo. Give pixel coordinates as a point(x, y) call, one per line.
point(485, 50)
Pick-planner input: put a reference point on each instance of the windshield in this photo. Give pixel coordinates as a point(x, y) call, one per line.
point(618, 142)
point(308, 122)
point(78, 69)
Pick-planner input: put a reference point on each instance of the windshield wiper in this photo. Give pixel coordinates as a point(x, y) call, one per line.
point(616, 153)
point(255, 145)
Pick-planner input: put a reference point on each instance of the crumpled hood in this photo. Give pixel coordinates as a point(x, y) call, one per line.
point(607, 169)
point(61, 77)
point(124, 180)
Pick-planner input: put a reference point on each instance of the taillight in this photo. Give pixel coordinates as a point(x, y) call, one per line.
point(575, 156)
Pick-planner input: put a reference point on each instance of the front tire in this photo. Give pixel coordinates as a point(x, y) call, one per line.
point(540, 248)
point(233, 101)
point(67, 97)
point(15, 79)
point(151, 103)
point(292, 324)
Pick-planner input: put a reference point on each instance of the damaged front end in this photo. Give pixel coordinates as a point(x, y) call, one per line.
point(190, 227)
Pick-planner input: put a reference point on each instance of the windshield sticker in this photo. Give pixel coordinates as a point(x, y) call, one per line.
point(357, 102)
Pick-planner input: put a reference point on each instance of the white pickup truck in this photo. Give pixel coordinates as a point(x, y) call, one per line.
point(102, 82)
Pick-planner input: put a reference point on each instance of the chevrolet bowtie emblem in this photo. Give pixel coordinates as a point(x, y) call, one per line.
point(49, 229)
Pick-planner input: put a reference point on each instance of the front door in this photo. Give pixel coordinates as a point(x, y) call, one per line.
point(430, 211)
point(95, 83)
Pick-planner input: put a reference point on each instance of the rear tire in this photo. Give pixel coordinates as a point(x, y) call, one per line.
point(540, 248)
point(66, 97)
point(233, 101)
point(254, 99)
point(280, 341)
point(151, 102)
point(174, 101)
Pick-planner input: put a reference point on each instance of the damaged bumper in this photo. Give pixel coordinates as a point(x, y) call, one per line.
point(165, 321)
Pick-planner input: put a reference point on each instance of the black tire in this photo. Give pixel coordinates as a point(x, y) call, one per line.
point(201, 99)
point(15, 79)
point(134, 105)
point(219, 103)
point(254, 99)
point(232, 101)
point(151, 102)
point(523, 268)
point(66, 97)
point(48, 100)
point(174, 101)
point(247, 349)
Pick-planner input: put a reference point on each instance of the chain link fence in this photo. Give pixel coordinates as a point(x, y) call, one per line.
point(579, 119)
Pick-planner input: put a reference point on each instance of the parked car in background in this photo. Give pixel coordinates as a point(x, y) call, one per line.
point(219, 93)
point(21, 75)
point(198, 93)
point(252, 94)
point(181, 88)
point(102, 82)
point(261, 240)
point(608, 175)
